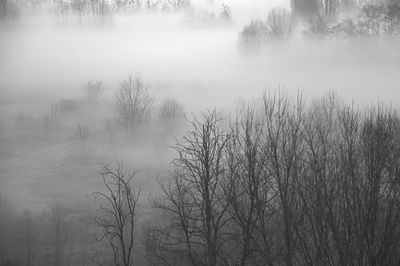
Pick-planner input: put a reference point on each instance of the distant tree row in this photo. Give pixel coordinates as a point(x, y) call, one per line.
point(102, 8)
point(100, 11)
point(332, 19)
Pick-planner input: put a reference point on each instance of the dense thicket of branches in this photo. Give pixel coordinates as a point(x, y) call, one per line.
point(284, 184)
point(195, 198)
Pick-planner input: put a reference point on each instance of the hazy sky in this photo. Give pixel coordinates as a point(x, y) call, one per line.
point(200, 64)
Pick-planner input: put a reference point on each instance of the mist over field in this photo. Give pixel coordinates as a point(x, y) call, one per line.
point(203, 132)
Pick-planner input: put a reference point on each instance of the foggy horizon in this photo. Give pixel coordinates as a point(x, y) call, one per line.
point(231, 132)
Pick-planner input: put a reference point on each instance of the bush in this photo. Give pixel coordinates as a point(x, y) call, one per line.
point(226, 13)
point(68, 106)
point(171, 113)
point(93, 91)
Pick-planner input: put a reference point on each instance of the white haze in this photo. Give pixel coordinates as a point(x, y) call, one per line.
point(198, 64)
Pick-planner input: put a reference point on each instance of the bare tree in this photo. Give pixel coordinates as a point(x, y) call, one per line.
point(133, 102)
point(82, 133)
point(372, 196)
point(283, 152)
point(29, 237)
point(318, 188)
point(250, 190)
point(118, 210)
point(58, 234)
point(194, 198)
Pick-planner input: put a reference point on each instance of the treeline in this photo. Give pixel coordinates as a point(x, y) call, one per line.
point(102, 9)
point(281, 181)
point(285, 183)
point(95, 11)
point(324, 19)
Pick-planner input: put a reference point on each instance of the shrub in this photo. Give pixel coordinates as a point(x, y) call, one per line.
point(226, 13)
point(68, 106)
point(82, 133)
point(171, 114)
point(93, 91)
